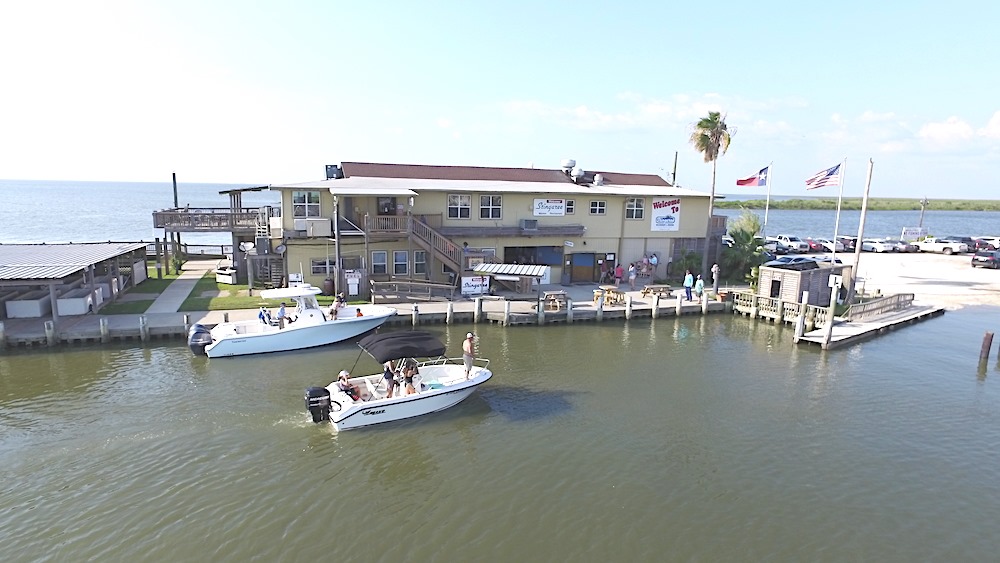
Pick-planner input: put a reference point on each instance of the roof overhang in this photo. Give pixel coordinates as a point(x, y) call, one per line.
point(519, 270)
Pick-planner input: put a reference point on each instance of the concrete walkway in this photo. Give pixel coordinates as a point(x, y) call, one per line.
point(173, 296)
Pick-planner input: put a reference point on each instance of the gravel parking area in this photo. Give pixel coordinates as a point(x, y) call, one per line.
point(935, 279)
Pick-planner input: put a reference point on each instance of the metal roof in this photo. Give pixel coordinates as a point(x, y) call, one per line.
point(55, 261)
point(527, 270)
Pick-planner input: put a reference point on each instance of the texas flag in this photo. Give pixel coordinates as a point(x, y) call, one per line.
point(758, 179)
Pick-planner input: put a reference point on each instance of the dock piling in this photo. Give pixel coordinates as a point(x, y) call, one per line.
point(3, 336)
point(569, 310)
point(105, 331)
point(506, 313)
point(628, 307)
point(478, 313)
point(984, 351)
point(680, 301)
point(143, 328)
point(50, 333)
point(416, 315)
point(656, 306)
point(449, 315)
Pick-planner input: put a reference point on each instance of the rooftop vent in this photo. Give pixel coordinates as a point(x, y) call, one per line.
point(568, 164)
point(598, 180)
point(334, 172)
point(577, 173)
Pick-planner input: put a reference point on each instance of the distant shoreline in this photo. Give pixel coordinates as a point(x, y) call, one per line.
point(854, 203)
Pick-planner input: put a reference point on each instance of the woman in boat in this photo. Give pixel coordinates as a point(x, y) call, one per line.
point(409, 370)
point(390, 380)
point(346, 386)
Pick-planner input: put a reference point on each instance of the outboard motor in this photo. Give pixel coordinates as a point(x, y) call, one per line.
point(198, 338)
point(318, 403)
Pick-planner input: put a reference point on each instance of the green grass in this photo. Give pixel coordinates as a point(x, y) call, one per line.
point(127, 307)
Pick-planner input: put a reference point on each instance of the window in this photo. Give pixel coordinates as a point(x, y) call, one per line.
point(634, 207)
point(419, 262)
point(570, 207)
point(459, 206)
point(400, 263)
point(379, 261)
point(598, 207)
point(318, 266)
point(489, 207)
point(305, 204)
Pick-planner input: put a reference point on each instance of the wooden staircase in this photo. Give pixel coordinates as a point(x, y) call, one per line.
point(443, 248)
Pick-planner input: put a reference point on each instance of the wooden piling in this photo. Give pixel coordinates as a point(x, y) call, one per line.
point(105, 331)
point(656, 306)
point(628, 307)
point(478, 314)
point(704, 304)
point(187, 323)
point(569, 310)
point(143, 328)
point(3, 336)
point(680, 301)
point(416, 315)
point(449, 316)
point(506, 313)
point(984, 351)
point(50, 333)
point(600, 309)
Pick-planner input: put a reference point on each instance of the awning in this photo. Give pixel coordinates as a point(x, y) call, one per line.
point(520, 270)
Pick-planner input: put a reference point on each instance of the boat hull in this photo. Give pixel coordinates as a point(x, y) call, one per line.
point(228, 342)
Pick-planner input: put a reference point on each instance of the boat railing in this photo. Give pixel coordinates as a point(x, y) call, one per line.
point(480, 362)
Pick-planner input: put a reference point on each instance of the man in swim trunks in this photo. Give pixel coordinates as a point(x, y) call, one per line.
point(468, 354)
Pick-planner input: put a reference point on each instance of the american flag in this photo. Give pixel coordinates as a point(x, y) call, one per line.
point(828, 177)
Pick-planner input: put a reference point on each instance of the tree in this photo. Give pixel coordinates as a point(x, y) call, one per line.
point(739, 259)
point(711, 138)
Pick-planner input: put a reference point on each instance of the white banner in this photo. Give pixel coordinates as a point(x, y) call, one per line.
point(475, 285)
point(666, 214)
point(549, 207)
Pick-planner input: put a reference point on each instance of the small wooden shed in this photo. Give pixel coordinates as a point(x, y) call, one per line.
point(788, 281)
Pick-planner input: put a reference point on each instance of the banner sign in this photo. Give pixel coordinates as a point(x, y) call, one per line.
point(666, 214)
point(475, 285)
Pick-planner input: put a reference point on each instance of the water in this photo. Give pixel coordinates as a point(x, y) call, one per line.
point(694, 438)
point(49, 211)
point(878, 224)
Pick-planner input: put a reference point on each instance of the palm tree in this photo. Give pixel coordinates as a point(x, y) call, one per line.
point(711, 138)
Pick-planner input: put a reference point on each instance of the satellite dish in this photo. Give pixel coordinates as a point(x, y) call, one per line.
point(280, 249)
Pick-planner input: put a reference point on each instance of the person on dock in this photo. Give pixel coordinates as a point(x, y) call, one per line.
point(631, 276)
point(468, 354)
point(619, 274)
point(699, 287)
point(653, 261)
point(715, 279)
point(688, 284)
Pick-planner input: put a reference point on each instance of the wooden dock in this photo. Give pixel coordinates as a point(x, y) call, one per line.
point(845, 333)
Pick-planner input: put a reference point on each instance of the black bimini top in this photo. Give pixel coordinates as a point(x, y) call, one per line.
point(402, 344)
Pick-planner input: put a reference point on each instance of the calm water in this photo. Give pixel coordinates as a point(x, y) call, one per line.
point(692, 439)
point(102, 211)
point(878, 224)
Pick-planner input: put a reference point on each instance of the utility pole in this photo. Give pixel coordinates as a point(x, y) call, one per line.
point(924, 202)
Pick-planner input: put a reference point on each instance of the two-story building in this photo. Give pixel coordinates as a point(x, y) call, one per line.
point(436, 223)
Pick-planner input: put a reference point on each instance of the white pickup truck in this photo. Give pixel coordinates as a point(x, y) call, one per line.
point(794, 243)
point(943, 245)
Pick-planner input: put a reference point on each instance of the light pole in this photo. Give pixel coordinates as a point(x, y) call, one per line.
point(923, 205)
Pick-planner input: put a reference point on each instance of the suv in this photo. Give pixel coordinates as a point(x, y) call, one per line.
point(986, 259)
point(794, 243)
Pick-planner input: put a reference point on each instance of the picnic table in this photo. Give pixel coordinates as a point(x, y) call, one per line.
point(554, 299)
point(661, 289)
point(612, 295)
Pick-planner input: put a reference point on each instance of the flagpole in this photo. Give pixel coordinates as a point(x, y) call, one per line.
point(836, 225)
point(767, 203)
point(861, 230)
point(834, 288)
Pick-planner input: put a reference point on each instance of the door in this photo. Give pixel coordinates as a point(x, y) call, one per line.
point(584, 264)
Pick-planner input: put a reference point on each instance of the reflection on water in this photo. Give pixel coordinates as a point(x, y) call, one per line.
point(708, 438)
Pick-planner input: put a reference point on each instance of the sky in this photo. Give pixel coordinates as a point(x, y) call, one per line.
point(263, 92)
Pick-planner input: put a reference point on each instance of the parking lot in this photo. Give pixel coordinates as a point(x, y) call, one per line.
point(946, 281)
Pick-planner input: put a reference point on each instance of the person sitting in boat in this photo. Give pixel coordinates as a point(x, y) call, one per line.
point(346, 386)
point(360, 314)
point(409, 370)
point(264, 315)
point(390, 379)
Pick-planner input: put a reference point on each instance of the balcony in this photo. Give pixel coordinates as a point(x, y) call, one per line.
point(213, 220)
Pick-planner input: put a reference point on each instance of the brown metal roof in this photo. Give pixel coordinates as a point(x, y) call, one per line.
point(54, 261)
point(427, 172)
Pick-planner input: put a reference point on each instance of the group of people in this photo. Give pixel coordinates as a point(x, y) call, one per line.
point(280, 318)
point(697, 285)
point(404, 372)
point(645, 267)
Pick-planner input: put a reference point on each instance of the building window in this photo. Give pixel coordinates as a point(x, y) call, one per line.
point(489, 207)
point(321, 267)
point(598, 207)
point(633, 207)
point(570, 207)
point(305, 204)
point(459, 206)
point(419, 262)
point(380, 259)
point(400, 263)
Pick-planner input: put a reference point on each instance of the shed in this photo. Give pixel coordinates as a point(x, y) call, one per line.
point(788, 281)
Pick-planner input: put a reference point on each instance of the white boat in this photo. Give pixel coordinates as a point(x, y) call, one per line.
point(309, 326)
point(440, 383)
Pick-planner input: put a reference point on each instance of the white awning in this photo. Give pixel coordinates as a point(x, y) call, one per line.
point(521, 270)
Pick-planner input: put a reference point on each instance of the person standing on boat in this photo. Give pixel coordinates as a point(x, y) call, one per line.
point(390, 379)
point(409, 370)
point(688, 284)
point(468, 354)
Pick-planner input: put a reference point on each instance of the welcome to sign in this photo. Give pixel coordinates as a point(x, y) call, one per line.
point(666, 215)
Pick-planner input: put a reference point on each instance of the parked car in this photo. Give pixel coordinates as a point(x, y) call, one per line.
point(830, 259)
point(794, 243)
point(968, 241)
point(814, 245)
point(992, 243)
point(782, 260)
point(830, 246)
point(943, 245)
point(902, 245)
point(874, 245)
point(848, 242)
point(986, 259)
point(773, 245)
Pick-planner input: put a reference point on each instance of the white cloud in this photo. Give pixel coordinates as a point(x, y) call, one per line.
point(949, 133)
point(992, 129)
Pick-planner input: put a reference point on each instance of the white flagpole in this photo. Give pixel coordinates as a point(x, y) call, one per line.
point(840, 197)
point(767, 204)
point(861, 229)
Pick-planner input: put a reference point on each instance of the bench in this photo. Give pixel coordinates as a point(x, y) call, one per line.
point(663, 290)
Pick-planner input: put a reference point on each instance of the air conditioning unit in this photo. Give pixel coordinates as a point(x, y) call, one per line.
point(299, 224)
point(319, 227)
point(529, 224)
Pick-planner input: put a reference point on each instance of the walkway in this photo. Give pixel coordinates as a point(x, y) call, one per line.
point(173, 296)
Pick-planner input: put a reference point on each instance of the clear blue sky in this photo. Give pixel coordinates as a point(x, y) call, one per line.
point(271, 92)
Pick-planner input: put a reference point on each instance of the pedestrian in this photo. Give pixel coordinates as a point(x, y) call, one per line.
point(688, 284)
point(619, 274)
point(699, 287)
point(604, 272)
point(653, 261)
point(468, 354)
point(715, 279)
point(631, 276)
